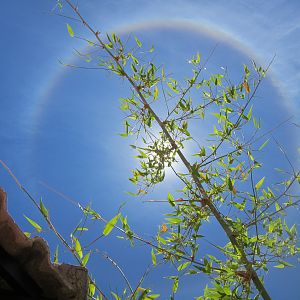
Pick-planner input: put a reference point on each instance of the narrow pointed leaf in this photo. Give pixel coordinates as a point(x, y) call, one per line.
point(285, 263)
point(155, 93)
point(249, 113)
point(138, 42)
point(153, 257)
point(43, 209)
point(171, 199)
point(280, 266)
point(82, 229)
point(110, 225)
point(175, 285)
point(183, 265)
point(78, 247)
point(116, 296)
point(28, 234)
point(56, 255)
point(70, 30)
point(264, 144)
point(174, 220)
point(259, 184)
point(152, 49)
point(34, 224)
point(86, 259)
point(91, 288)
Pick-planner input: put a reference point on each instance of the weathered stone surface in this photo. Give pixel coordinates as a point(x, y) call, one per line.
point(61, 282)
point(77, 277)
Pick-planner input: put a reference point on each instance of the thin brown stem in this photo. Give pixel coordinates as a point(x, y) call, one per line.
point(226, 227)
point(50, 224)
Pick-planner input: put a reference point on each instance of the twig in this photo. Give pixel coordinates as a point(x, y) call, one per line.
point(239, 248)
point(60, 237)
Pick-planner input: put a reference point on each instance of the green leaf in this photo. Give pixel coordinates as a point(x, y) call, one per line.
point(155, 93)
point(256, 123)
point(132, 194)
point(227, 290)
point(271, 226)
point(153, 296)
point(135, 60)
point(172, 86)
point(240, 206)
point(43, 209)
point(202, 152)
point(152, 49)
point(171, 199)
point(247, 71)
point(153, 257)
point(138, 42)
point(163, 77)
point(56, 255)
point(249, 113)
point(183, 265)
point(133, 67)
point(110, 225)
point(174, 220)
point(34, 224)
point(113, 35)
point(82, 229)
point(263, 145)
point(90, 42)
point(116, 296)
point(175, 284)
point(70, 30)
point(230, 184)
point(92, 288)
point(285, 263)
point(108, 45)
point(143, 295)
point(293, 230)
point(280, 266)
point(259, 184)
point(78, 247)
point(86, 259)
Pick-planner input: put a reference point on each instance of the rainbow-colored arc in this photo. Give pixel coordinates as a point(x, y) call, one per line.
point(206, 30)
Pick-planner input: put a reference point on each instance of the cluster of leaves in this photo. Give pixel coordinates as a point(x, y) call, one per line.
point(225, 168)
point(222, 179)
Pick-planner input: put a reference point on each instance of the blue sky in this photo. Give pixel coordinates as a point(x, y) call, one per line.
point(59, 127)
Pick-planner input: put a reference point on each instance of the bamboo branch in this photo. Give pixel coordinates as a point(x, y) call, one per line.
point(226, 227)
